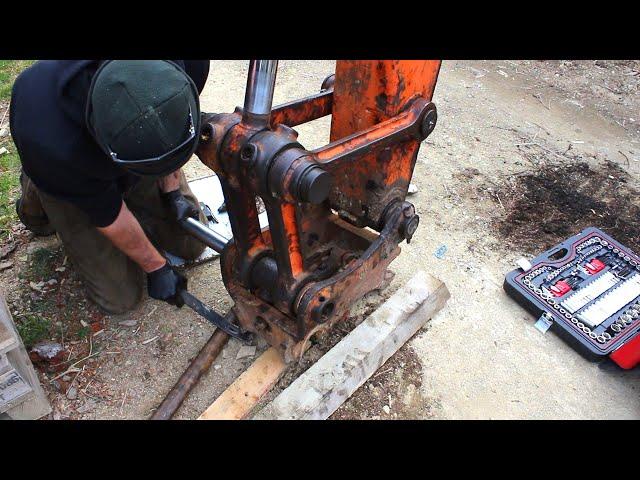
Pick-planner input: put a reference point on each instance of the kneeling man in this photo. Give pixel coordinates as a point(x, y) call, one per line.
point(102, 144)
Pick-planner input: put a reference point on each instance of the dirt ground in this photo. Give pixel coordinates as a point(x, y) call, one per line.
point(525, 153)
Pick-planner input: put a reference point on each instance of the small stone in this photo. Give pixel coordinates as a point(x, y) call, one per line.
point(87, 407)
point(36, 286)
point(48, 350)
point(386, 409)
point(128, 323)
point(3, 151)
point(412, 189)
point(72, 393)
point(66, 378)
point(3, 132)
point(5, 265)
point(53, 281)
point(7, 249)
point(60, 269)
point(246, 351)
point(217, 367)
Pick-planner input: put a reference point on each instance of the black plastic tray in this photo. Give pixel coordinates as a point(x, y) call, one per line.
point(521, 286)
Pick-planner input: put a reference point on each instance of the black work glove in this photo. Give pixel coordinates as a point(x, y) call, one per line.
point(180, 206)
point(166, 284)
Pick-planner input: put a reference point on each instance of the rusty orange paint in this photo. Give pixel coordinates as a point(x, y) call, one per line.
point(256, 247)
point(368, 136)
point(367, 92)
point(303, 111)
point(398, 170)
point(291, 230)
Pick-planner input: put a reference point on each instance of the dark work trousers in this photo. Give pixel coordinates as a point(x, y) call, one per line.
point(114, 281)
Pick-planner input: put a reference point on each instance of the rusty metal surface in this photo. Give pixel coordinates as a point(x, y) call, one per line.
point(305, 271)
point(374, 167)
point(304, 110)
point(367, 92)
point(199, 366)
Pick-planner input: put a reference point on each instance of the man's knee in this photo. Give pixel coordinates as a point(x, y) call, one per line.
point(119, 296)
point(121, 305)
point(112, 280)
point(187, 247)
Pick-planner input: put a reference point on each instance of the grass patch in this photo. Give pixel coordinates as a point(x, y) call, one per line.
point(83, 332)
point(9, 70)
point(9, 188)
point(32, 329)
point(53, 310)
point(43, 263)
point(35, 325)
point(9, 162)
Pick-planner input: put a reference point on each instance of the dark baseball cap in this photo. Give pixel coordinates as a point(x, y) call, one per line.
point(144, 114)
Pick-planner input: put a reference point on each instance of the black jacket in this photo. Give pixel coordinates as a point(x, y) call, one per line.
point(56, 150)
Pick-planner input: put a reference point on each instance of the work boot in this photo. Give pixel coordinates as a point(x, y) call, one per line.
point(30, 211)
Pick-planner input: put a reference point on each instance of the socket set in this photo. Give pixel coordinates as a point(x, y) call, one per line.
point(587, 289)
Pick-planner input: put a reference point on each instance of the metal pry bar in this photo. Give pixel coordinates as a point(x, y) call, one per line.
point(214, 317)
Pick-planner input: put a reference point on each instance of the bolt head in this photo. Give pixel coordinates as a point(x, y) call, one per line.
point(249, 153)
point(412, 226)
point(429, 122)
point(409, 227)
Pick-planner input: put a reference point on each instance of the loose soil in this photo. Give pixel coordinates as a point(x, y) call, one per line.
point(555, 202)
point(394, 392)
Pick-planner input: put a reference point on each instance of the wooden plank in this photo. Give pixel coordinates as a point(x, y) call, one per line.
point(35, 404)
point(13, 390)
point(319, 391)
point(7, 338)
point(242, 395)
point(5, 366)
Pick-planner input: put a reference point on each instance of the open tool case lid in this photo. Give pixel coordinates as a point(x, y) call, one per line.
point(587, 290)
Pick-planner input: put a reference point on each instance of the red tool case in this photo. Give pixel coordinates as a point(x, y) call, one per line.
point(587, 290)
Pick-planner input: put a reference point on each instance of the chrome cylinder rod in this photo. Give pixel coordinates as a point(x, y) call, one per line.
point(261, 81)
point(206, 235)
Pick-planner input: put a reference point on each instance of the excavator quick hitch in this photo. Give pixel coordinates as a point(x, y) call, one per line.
point(336, 213)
